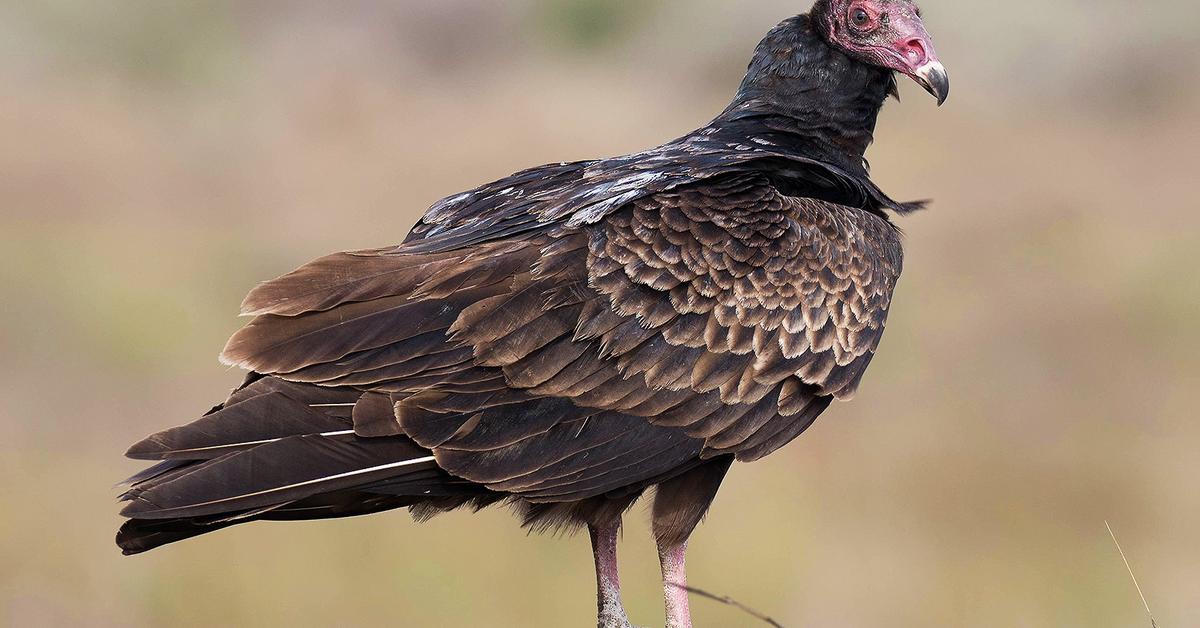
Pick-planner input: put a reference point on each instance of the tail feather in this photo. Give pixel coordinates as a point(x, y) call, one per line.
point(276, 472)
point(276, 451)
point(256, 421)
point(142, 535)
point(151, 473)
point(137, 536)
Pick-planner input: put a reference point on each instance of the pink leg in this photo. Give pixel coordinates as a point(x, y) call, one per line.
point(608, 580)
point(674, 572)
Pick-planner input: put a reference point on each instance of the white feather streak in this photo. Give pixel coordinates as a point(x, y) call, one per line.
point(256, 442)
point(348, 474)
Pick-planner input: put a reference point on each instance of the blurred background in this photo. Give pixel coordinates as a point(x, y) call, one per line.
point(1039, 376)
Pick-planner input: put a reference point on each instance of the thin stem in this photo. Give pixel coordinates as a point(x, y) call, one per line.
point(725, 599)
point(1137, 586)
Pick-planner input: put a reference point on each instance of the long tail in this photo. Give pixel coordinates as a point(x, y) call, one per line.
point(277, 451)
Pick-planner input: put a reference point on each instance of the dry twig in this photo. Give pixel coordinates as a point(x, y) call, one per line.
point(1153, 624)
point(725, 599)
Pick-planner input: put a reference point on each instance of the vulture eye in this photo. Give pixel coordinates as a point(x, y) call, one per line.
point(860, 18)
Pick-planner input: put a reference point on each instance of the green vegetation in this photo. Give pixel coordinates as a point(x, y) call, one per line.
point(590, 24)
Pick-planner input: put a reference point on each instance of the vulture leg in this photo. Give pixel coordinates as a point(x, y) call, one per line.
point(675, 592)
point(679, 505)
point(608, 580)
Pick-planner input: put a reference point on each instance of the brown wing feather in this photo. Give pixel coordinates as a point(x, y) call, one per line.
point(710, 320)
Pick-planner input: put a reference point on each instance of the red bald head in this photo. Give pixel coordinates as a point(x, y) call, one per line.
point(884, 33)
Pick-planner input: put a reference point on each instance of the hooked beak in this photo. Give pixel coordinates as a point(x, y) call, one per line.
point(932, 76)
point(913, 54)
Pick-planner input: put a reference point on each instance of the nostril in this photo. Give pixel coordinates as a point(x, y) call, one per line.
point(914, 52)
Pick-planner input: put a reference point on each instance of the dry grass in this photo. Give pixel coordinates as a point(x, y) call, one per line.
point(1129, 568)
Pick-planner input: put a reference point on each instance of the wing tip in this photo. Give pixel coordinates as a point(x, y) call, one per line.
point(256, 305)
point(235, 356)
point(227, 358)
point(138, 508)
point(145, 449)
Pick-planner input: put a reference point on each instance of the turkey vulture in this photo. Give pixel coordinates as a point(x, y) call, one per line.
point(568, 337)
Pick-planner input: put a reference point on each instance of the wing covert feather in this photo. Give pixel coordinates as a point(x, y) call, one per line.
point(715, 318)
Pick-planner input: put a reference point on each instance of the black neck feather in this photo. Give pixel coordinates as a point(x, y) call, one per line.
point(802, 94)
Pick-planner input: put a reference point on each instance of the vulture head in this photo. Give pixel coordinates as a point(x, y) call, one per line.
point(887, 34)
